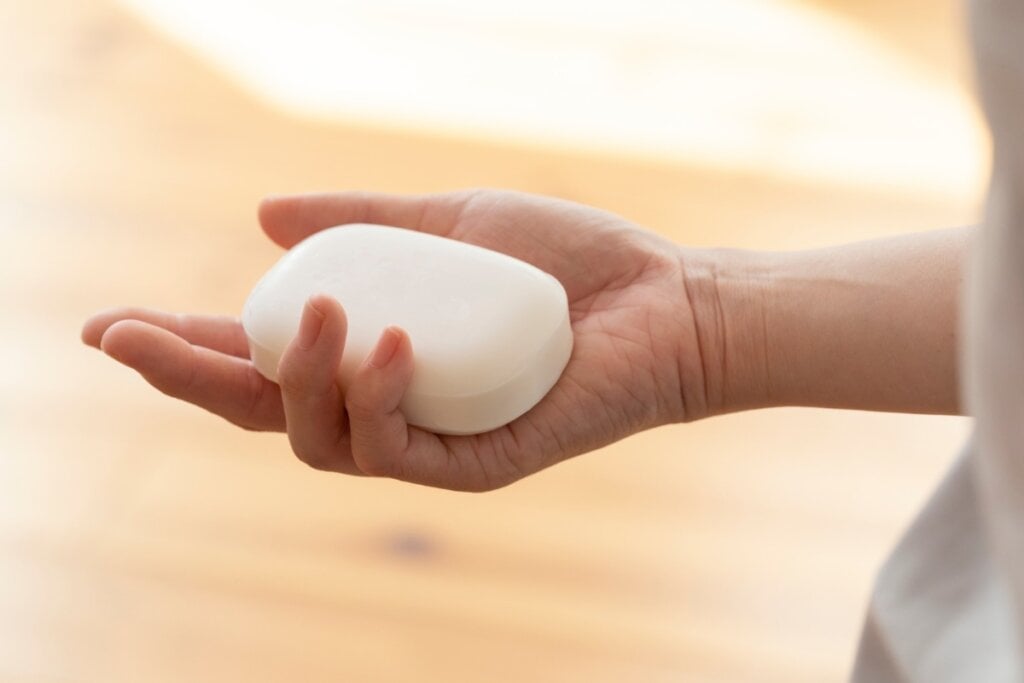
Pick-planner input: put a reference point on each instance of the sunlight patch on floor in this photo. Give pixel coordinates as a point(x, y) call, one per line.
point(763, 86)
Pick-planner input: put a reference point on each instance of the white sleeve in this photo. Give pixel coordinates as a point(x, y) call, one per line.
point(948, 606)
point(993, 349)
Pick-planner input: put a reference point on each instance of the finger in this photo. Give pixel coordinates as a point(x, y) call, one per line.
point(380, 436)
point(383, 443)
point(225, 385)
point(218, 332)
point(289, 219)
point(312, 399)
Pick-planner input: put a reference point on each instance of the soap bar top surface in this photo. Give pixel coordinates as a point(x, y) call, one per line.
point(477, 318)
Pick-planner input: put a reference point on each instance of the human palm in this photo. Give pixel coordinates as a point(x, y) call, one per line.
point(630, 318)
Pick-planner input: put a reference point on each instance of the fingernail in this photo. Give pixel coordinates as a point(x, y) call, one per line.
point(310, 326)
point(386, 347)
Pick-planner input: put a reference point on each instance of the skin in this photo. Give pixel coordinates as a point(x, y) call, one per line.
point(662, 334)
point(871, 326)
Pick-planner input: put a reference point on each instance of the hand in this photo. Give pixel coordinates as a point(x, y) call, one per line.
point(635, 350)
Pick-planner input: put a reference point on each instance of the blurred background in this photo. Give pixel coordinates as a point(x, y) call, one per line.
point(144, 540)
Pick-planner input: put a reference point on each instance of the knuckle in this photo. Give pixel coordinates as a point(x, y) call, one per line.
point(291, 380)
point(314, 458)
point(318, 463)
point(377, 466)
point(375, 459)
point(255, 426)
point(360, 408)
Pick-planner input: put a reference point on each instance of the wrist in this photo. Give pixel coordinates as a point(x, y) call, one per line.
point(867, 326)
point(727, 363)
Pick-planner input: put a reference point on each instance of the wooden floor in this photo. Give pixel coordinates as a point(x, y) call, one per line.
point(143, 540)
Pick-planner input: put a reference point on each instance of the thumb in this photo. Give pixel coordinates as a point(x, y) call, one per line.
point(289, 219)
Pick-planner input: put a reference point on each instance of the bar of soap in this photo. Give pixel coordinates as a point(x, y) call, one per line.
point(490, 333)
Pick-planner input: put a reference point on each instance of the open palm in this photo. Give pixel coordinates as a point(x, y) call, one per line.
point(634, 344)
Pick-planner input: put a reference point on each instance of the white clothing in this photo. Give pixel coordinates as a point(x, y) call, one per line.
point(948, 606)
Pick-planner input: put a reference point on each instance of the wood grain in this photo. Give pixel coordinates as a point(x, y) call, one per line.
point(142, 540)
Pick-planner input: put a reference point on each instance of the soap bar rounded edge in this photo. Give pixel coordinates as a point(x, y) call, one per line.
point(533, 383)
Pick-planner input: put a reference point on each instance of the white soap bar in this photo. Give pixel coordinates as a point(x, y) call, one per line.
point(490, 333)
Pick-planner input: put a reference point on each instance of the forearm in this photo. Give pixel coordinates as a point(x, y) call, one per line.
point(869, 326)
